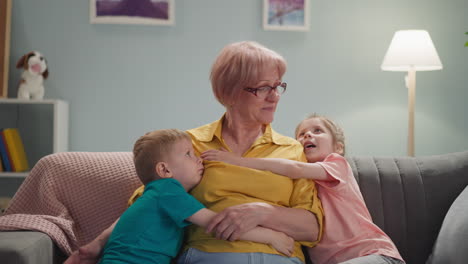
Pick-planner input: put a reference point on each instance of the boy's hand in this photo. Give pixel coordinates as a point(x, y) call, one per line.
point(283, 243)
point(77, 258)
point(87, 254)
point(221, 155)
point(74, 258)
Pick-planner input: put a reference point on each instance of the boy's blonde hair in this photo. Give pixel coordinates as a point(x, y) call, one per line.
point(335, 129)
point(239, 65)
point(152, 148)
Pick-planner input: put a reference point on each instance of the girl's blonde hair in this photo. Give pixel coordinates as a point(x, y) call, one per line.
point(238, 66)
point(152, 148)
point(335, 129)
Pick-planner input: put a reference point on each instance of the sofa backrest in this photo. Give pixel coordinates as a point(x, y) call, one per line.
point(409, 197)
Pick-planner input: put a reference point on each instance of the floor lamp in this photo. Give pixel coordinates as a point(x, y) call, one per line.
point(411, 51)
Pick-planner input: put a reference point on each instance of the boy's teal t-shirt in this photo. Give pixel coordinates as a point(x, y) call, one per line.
point(152, 229)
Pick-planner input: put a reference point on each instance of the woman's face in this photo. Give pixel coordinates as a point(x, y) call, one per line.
point(254, 108)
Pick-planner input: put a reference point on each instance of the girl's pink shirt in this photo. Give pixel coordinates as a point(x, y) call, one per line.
point(349, 231)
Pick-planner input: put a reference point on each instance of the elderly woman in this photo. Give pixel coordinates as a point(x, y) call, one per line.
point(247, 79)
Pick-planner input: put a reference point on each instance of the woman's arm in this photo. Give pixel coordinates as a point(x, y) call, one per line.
point(289, 168)
point(233, 221)
point(278, 240)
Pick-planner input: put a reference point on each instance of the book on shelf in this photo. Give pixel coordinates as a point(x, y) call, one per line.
point(4, 202)
point(5, 157)
point(15, 148)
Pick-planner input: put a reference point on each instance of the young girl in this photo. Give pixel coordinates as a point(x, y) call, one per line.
point(349, 236)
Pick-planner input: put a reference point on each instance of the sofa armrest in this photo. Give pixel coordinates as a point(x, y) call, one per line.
point(28, 247)
point(451, 246)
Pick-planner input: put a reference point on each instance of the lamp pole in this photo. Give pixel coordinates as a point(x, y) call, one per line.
point(411, 85)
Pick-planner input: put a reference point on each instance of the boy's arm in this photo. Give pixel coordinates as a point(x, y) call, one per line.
point(90, 253)
point(289, 168)
point(280, 241)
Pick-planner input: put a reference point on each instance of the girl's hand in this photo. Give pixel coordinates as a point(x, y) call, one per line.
point(283, 243)
point(234, 221)
point(221, 155)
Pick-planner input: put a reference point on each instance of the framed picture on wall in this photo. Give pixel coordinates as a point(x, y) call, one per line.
point(144, 12)
point(5, 20)
point(286, 15)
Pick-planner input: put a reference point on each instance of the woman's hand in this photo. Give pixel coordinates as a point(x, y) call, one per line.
point(221, 155)
point(234, 221)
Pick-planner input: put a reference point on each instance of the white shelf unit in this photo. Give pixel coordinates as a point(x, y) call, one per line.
point(43, 126)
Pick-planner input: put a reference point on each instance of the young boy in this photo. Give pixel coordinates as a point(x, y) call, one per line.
point(151, 230)
point(349, 236)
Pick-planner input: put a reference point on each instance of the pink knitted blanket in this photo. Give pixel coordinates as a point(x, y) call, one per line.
point(73, 196)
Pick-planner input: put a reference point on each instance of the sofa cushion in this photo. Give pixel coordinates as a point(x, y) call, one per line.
point(25, 247)
point(451, 246)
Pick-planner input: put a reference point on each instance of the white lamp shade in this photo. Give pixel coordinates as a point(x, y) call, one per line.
point(411, 48)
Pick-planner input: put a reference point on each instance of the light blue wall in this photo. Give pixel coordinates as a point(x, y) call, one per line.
point(124, 80)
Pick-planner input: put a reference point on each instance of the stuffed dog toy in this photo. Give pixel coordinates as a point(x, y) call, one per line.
point(35, 71)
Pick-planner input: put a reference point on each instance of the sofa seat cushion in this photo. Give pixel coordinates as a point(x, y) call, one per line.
point(25, 247)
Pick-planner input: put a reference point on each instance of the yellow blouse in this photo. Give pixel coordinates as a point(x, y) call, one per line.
point(225, 185)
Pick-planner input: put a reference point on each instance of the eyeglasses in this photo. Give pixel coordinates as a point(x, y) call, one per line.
point(264, 91)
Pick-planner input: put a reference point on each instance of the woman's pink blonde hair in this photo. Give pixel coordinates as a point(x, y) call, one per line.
point(238, 66)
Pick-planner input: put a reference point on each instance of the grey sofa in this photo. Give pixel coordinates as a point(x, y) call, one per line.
point(422, 204)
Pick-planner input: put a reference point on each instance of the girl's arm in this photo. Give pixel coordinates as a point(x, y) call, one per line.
point(280, 241)
point(289, 168)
